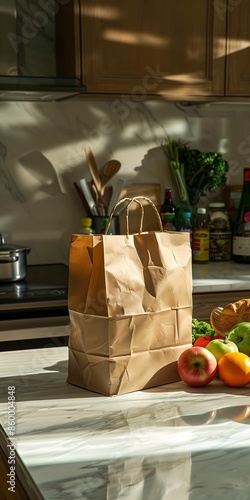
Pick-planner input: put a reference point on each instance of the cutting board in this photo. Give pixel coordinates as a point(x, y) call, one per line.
point(151, 191)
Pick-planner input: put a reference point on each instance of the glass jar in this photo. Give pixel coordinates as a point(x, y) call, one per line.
point(220, 246)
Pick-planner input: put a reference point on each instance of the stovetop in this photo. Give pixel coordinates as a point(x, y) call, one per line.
point(43, 283)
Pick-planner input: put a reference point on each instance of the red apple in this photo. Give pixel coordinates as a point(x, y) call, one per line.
point(197, 366)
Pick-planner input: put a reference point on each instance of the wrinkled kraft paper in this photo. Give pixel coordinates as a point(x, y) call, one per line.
point(130, 307)
point(159, 476)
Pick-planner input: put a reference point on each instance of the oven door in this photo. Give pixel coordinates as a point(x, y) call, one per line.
point(35, 309)
point(33, 327)
point(34, 332)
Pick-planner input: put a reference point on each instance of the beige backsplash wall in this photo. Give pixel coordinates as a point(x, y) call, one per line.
point(42, 154)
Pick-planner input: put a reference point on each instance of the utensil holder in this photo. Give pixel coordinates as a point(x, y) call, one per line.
point(99, 226)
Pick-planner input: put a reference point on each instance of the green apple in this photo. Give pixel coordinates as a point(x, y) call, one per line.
point(219, 347)
point(240, 335)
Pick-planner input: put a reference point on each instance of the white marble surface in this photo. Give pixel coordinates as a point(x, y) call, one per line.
point(171, 441)
point(221, 277)
point(42, 154)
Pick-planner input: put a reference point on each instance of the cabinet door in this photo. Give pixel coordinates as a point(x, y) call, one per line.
point(153, 47)
point(238, 49)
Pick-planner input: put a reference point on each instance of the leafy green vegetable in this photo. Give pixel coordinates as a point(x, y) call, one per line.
point(194, 172)
point(171, 149)
point(201, 328)
point(203, 171)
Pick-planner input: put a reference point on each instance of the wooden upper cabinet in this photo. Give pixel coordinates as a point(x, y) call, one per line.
point(238, 49)
point(152, 47)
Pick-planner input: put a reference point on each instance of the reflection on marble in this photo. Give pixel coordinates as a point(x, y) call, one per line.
point(173, 440)
point(39, 206)
point(220, 277)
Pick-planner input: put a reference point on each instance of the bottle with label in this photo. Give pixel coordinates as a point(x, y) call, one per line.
point(220, 240)
point(186, 225)
point(169, 222)
point(167, 206)
point(241, 235)
point(201, 237)
point(86, 226)
point(181, 210)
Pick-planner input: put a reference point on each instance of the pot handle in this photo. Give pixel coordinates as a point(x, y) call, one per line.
point(1, 239)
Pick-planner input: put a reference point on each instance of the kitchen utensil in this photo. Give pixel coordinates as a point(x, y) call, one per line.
point(99, 224)
point(100, 202)
point(110, 168)
point(93, 168)
point(13, 261)
point(88, 196)
point(116, 194)
point(81, 196)
point(216, 323)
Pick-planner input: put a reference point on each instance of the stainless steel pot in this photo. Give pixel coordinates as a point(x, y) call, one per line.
point(13, 261)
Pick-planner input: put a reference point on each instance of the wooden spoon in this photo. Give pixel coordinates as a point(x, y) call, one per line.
point(216, 323)
point(110, 168)
point(93, 168)
point(100, 202)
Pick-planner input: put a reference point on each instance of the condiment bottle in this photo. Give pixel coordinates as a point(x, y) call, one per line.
point(86, 226)
point(220, 232)
point(241, 236)
point(201, 237)
point(167, 206)
point(186, 223)
point(169, 222)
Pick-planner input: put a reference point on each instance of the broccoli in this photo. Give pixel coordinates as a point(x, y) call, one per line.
point(202, 171)
point(201, 328)
point(194, 172)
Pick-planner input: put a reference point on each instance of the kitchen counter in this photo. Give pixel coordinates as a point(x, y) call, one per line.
point(214, 284)
point(221, 277)
point(217, 284)
point(170, 441)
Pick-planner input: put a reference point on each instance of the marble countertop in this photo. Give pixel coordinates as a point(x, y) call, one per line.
point(170, 441)
point(220, 277)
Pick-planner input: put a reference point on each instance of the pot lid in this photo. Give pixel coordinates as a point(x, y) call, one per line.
point(6, 248)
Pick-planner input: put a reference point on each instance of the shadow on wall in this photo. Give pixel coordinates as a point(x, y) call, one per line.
point(42, 154)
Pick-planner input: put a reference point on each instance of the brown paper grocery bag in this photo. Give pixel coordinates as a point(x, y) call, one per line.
point(130, 308)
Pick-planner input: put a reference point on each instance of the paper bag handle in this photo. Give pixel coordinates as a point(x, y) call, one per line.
point(129, 202)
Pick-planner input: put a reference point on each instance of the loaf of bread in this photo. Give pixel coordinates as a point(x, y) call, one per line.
point(235, 312)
